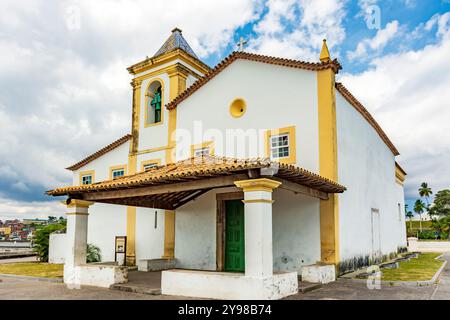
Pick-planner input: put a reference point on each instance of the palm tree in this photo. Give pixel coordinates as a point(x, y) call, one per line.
point(425, 191)
point(409, 214)
point(419, 207)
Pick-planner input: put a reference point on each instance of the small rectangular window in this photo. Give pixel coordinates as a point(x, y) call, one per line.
point(399, 211)
point(86, 179)
point(149, 166)
point(201, 152)
point(279, 146)
point(118, 173)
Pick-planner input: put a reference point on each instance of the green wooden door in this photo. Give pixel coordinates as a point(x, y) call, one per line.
point(234, 236)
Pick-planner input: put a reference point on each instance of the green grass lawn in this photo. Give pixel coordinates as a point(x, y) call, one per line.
point(33, 269)
point(422, 268)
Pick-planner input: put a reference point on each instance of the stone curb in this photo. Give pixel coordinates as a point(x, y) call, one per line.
point(14, 276)
point(420, 283)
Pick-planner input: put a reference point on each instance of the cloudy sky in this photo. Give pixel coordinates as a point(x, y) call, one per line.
point(64, 88)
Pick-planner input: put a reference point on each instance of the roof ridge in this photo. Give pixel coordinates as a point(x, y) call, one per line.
point(366, 114)
point(334, 64)
point(100, 152)
point(173, 42)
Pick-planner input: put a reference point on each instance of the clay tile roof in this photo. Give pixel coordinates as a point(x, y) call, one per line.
point(99, 153)
point(204, 167)
point(363, 111)
point(174, 42)
point(335, 65)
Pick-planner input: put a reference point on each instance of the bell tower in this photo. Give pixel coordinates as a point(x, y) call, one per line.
point(157, 80)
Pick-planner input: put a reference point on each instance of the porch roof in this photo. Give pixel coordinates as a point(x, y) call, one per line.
point(172, 185)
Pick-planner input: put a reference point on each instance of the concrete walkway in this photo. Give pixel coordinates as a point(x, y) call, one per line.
point(339, 290)
point(344, 289)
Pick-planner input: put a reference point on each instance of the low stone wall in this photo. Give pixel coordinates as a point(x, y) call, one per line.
point(95, 274)
point(226, 285)
point(428, 246)
point(57, 248)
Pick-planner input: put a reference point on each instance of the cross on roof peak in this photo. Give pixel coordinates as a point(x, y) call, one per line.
point(241, 44)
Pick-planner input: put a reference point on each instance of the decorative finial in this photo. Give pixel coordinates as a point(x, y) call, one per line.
point(176, 29)
point(241, 44)
point(325, 54)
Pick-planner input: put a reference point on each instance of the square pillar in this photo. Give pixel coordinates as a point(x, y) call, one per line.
point(76, 238)
point(258, 226)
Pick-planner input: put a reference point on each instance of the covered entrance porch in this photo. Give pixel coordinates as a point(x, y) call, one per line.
point(244, 249)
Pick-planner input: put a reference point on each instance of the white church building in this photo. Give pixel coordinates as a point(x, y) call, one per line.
point(236, 180)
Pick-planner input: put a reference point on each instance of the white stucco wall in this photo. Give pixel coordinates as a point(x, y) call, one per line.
point(195, 233)
point(296, 232)
point(149, 240)
point(367, 168)
point(57, 248)
point(276, 97)
point(106, 221)
point(101, 165)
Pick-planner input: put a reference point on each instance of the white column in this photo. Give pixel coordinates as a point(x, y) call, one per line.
point(76, 238)
point(258, 226)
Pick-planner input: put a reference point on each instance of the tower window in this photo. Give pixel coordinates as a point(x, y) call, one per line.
point(154, 112)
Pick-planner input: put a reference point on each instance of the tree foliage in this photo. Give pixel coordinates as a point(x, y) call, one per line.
point(441, 205)
point(93, 254)
point(42, 237)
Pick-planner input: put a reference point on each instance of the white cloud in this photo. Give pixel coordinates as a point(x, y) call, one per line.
point(408, 94)
point(37, 209)
point(295, 28)
point(64, 86)
point(370, 46)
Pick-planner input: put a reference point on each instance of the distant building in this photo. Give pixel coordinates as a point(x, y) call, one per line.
point(34, 221)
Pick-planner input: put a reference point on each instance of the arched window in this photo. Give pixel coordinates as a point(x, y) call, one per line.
point(154, 103)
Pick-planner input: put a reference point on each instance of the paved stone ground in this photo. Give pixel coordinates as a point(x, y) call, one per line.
point(344, 289)
point(339, 290)
point(15, 260)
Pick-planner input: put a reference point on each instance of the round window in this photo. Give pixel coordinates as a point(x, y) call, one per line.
point(238, 108)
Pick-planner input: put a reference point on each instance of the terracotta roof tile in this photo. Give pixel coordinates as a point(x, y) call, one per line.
point(99, 153)
point(205, 167)
point(335, 65)
point(365, 113)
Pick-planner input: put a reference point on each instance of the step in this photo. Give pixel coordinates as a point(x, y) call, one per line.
point(136, 289)
point(304, 287)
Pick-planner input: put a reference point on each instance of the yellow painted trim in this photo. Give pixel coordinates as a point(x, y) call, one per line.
point(258, 201)
point(131, 236)
point(292, 159)
point(169, 234)
point(400, 176)
point(77, 214)
point(262, 184)
point(238, 107)
point(153, 150)
point(77, 203)
point(87, 173)
point(131, 218)
point(177, 77)
point(152, 81)
point(209, 144)
point(167, 58)
point(329, 209)
point(150, 161)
